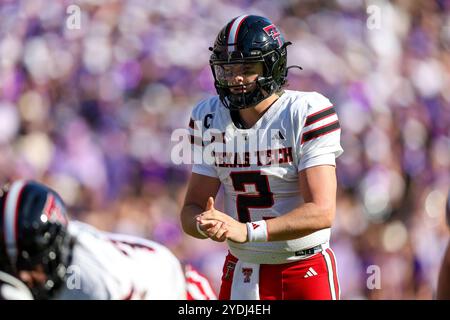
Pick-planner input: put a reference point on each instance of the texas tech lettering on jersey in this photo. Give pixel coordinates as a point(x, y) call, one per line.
point(261, 158)
point(259, 166)
point(52, 211)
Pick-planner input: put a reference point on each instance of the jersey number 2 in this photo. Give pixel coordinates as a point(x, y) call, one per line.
point(262, 199)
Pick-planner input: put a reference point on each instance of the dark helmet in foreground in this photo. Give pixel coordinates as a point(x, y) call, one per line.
point(33, 233)
point(249, 39)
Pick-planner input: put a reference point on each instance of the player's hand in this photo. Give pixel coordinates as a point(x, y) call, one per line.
point(215, 230)
point(230, 228)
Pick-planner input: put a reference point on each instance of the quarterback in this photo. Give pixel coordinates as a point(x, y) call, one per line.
point(273, 151)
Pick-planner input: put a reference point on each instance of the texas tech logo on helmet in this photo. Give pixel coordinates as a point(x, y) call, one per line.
point(273, 32)
point(52, 210)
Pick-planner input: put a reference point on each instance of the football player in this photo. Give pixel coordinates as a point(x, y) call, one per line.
point(58, 259)
point(273, 150)
point(443, 290)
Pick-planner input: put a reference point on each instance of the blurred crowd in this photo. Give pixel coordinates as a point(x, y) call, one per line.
point(91, 111)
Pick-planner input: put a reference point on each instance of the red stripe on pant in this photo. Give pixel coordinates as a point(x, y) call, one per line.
point(227, 277)
point(335, 273)
point(301, 280)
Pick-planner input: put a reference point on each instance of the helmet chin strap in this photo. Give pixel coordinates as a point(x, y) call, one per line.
point(246, 98)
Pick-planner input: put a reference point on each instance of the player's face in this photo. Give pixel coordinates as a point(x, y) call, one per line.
point(33, 278)
point(240, 76)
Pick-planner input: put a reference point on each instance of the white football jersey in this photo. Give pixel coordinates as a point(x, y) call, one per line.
point(258, 167)
point(108, 266)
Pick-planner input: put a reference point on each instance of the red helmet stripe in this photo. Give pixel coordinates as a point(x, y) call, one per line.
point(234, 31)
point(10, 219)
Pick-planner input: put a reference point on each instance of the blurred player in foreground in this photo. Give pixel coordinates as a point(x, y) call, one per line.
point(58, 259)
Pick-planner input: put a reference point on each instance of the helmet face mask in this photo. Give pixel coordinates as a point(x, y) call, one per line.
point(51, 256)
point(40, 241)
point(239, 78)
point(249, 40)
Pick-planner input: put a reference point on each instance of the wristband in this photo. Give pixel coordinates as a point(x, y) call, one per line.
point(257, 231)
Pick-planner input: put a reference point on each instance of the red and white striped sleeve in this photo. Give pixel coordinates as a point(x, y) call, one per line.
point(318, 141)
point(198, 286)
point(200, 118)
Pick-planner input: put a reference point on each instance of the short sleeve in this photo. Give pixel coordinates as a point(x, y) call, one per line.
point(318, 140)
point(200, 166)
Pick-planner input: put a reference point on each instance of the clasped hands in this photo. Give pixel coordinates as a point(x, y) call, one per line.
point(219, 226)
